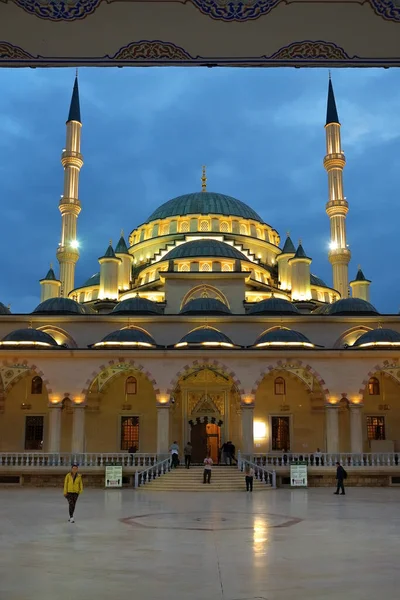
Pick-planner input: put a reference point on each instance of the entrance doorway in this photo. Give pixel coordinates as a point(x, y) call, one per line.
point(206, 439)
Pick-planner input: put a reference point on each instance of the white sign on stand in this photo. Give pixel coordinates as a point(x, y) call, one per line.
point(298, 475)
point(113, 477)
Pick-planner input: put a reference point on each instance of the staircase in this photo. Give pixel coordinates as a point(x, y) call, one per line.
point(223, 479)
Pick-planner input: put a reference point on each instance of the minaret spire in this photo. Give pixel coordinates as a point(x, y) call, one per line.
point(337, 206)
point(70, 206)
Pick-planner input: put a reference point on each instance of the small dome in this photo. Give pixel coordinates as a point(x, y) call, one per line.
point(4, 310)
point(136, 306)
point(378, 337)
point(130, 336)
point(283, 337)
point(204, 203)
point(205, 336)
point(211, 306)
point(93, 280)
point(351, 306)
point(28, 337)
point(274, 306)
point(204, 247)
point(59, 306)
point(314, 280)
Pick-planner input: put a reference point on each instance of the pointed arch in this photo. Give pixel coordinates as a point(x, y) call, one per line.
point(351, 335)
point(197, 291)
point(389, 369)
point(15, 370)
point(204, 364)
point(61, 336)
point(116, 364)
point(302, 371)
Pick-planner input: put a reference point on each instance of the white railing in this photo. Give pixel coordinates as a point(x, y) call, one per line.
point(324, 459)
point(89, 459)
point(153, 472)
point(260, 472)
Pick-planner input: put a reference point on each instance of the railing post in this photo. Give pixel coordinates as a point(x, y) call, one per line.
point(239, 459)
point(274, 479)
point(136, 479)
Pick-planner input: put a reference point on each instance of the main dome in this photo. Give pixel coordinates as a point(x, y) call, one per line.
point(204, 203)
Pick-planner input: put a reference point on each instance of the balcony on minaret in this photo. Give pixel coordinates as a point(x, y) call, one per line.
point(71, 158)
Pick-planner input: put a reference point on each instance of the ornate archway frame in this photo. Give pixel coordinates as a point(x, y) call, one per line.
point(112, 365)
point(19, 369)
point(389, 368)
point(203, 364)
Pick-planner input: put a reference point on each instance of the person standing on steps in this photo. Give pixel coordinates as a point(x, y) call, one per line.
point(224, 453)
point(174, 450)
point(249, 476)
point(187, 451)
point(208, 463)
point(73, 487)
point(341, 475)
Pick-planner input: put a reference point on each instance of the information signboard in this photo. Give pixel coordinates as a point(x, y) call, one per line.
point(113, 477)
point(298, 474)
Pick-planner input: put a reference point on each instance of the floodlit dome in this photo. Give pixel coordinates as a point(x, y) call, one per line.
point(204, 247)
point(205, 336)
point(130, 336)
point(28, 337)
point(136, 306)
point(274, 306)
point(4, 310)
point(282, 337)
point(204, 203)
point(351, 306)
point(211, 306)
point(377, 338)
point(60, 306)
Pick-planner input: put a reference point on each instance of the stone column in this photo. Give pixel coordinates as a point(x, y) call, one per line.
point(78, 430)
point(162, 429)
point(247, 429)
point(332, 428)
point(54, 428)
point(356, 433)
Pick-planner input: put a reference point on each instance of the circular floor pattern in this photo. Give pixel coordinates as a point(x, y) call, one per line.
point(212, 521)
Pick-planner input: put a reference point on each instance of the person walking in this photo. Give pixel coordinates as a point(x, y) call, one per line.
point(208, 463)
point(187, 451)
point(73, 487)
point(341, 475)
point(224, 453)
point(231, 453)
point(249, 476)
point(174, 450)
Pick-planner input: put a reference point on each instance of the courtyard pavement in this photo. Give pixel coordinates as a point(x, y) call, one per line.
point(273, 545)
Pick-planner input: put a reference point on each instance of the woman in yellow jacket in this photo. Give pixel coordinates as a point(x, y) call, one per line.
point(73, 486)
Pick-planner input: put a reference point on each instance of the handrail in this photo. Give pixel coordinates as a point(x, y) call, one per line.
point(260, 472)
point(157, 470)
point(88, 459)
point(327, 459)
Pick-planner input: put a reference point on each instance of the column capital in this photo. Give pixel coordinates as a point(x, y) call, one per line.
point(55, 405)
point(332, 405)
point(356, 406)
point(163, 400)
point(247, 400)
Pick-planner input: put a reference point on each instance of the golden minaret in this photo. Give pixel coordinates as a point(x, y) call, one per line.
point(70, 207)
point(337, 207)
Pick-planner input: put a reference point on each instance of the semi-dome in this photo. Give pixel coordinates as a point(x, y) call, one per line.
point(379, 338)
point(4, 310)
point(60, 306)
point(130, 336)
point(351, 306)
point(205, 336)
point(137, 305)
point(211, 306)
point(204, 247)
point(274, 306)
point(28, 337)
point(283, 337)
point(204, 203)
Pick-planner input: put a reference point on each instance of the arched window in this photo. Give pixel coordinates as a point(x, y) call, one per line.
point(165, 229)
point(205, 267)
point(373, 387)
point(226, 267)
point(243, 229)
point(280, 387)
point(36, 385)
point(224, 227)
point(259, 233)
point(185, 227)
point(184, 267)
point(204, 226)
point(131, 386)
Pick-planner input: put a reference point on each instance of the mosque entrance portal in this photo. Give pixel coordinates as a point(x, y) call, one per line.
point(205, 437)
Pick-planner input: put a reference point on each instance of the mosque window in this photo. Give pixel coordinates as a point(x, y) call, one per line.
point(205, 267)
point(185, 227)
point(376, 428)
point(226, 267)
point(224, 227)
point(280, 386)
point(243, 229)
point(131, 386)
point(165, 229)
point(204, 225)
point(34, 427)
point(373, 387)
point(184, 267)
point(259, 233)
point(130, 433)
point(280, 427)
point(36, 385)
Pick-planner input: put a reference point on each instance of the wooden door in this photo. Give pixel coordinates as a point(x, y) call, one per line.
point(198, 437)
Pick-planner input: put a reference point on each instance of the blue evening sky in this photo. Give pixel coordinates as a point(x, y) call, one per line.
point(146, 134)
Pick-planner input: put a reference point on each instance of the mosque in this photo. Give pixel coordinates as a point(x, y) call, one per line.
point(201, 324)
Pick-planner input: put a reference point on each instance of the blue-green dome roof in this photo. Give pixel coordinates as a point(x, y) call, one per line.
point(131, 336)
point(351, 306)
point(4, 310)
point(205, 335)
point(378, 337)
point(314, 280)
point(204, 203)
point(137, 305)
point(60, 306)
point(204, 247)
point(321, 310)
point(30, 337)
point(205, 305)
point(274, 306)
point(277, 337)
point(93, 280)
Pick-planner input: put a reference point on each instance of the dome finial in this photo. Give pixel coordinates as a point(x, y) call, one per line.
point(122, 233)
point(204, 180)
